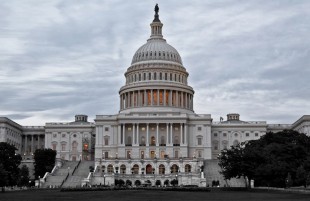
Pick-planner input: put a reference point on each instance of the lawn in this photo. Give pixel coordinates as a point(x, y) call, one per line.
point(142, 195)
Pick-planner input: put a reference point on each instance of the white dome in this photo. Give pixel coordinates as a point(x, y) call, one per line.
point(156, 49)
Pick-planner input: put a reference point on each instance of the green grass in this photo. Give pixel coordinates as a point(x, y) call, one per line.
point(142, 195)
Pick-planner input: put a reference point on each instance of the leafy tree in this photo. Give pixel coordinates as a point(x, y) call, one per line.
point(138, 183)
point(44, 161)
point(269, 159)
point(128, 183)
point(174, 182)
point(3, 177)
point(24, 176)
point(166, 182)
point(10, 162)
point(157, 183)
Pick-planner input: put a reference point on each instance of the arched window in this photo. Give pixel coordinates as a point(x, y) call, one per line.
point(110, 169)
point(161, 169)
point(74, 146)
point(188, 168)
point(174, 168)
point(149, 169)
point(135, 169)
point(155, 76)
point(160, 76)
point(142, 141)
point(123, 169)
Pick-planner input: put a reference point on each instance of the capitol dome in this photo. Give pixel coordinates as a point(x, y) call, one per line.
point(156, 80)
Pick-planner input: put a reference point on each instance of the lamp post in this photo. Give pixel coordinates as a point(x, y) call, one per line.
point(68, 170)
point(103, 179)
point(176, 178)
point(39, 182)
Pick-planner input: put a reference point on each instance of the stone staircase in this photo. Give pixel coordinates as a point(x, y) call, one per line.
point(79, 174)
point(212, 172)
point(55, 180)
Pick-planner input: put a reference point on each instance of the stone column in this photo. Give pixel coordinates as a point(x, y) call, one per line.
point(119, 135)
point(147, 134)
point(152, 97)
point(185, 134)
point(186, 106)
point(182, 99)
point(158, 97)
point(38, 136)
point(170, 98)
point(133, 134)
point(123, 134)
point(32, 144)
point(25, 149)
point(132, 99)
point(167, 137)
point(177, 98)
point(145, 98)
point(181, 127)
point(171, 133)
point(138, 137)
point(164, 97)
point(139, 99)
point(157, 134)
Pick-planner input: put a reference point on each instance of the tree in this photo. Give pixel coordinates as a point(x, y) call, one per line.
point(3, 177)
point(44, 161)
point(24, 176)
point(10, 162)
point(269, 159)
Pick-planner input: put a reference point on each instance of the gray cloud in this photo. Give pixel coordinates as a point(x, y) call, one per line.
point(60, 58)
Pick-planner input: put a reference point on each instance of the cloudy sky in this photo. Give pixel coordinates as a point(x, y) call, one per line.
point(59, 58)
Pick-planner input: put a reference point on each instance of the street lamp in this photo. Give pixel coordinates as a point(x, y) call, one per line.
point(68, 170)
point(103, 179)
point(39, 182)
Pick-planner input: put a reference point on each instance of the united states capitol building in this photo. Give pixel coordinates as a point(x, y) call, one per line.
point(156, 136)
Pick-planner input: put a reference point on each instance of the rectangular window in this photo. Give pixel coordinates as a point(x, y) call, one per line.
point(142, 154)
point(247, 134)
point(128, 154)
point(215, 134)
point(54, 146)
point(256, 134)
point(106, 141)
point(106, 129)
point(224, 134)
point(199, 141)
point(199, 128)
point(176, 154)
point(63, 147)
point(106, 154)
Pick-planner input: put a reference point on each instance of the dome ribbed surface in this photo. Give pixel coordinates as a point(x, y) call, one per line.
point(156, 49)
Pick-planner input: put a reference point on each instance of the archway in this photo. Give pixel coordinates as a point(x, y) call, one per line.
point(174, 168)
point(135, 169)
point(123, 169)
point(161, 169)
point(110, 169)
point(187, 168)
point(149, 169)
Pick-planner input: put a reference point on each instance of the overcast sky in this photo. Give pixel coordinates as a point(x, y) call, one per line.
point(59, 58)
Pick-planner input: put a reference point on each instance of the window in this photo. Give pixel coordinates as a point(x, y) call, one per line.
point(199, 141)
point(176, 154)
point(85, 147)
point(247, 134)
point(215, 134)
point(63, 147)
point(161, 169)
point(106, 154)
point(106, 129)
point(123, 169)
point(74, 135)
point(224, 134)
point(106, 141)
point(236, 134)
point(199, 128)
point(142, 154)
point(54, 135)
point(256, 134)
point(54, 146)
point(63, 135)
point(199, 154)
point(110, 169)
point(188, 168)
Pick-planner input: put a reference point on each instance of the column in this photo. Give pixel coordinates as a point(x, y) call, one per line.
point(157, 134)
point(119, 135)
point(167, 137)
point(181, 127)
point(182, 99)
point(138, 137)
point(164, 97)
point(132, 99)
point(139, 99)
point(185, 133)
point(120, 102)
point(158, 97)
point(32, 144)
point(123, 134)
point(25, 149)
point(147, 134)
point(171, 133)
point(170, 98)
point(38, 141)
point(186, 106)
point(133, 134)
point(145, 98)
point(177, 98)
point(152, 97)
